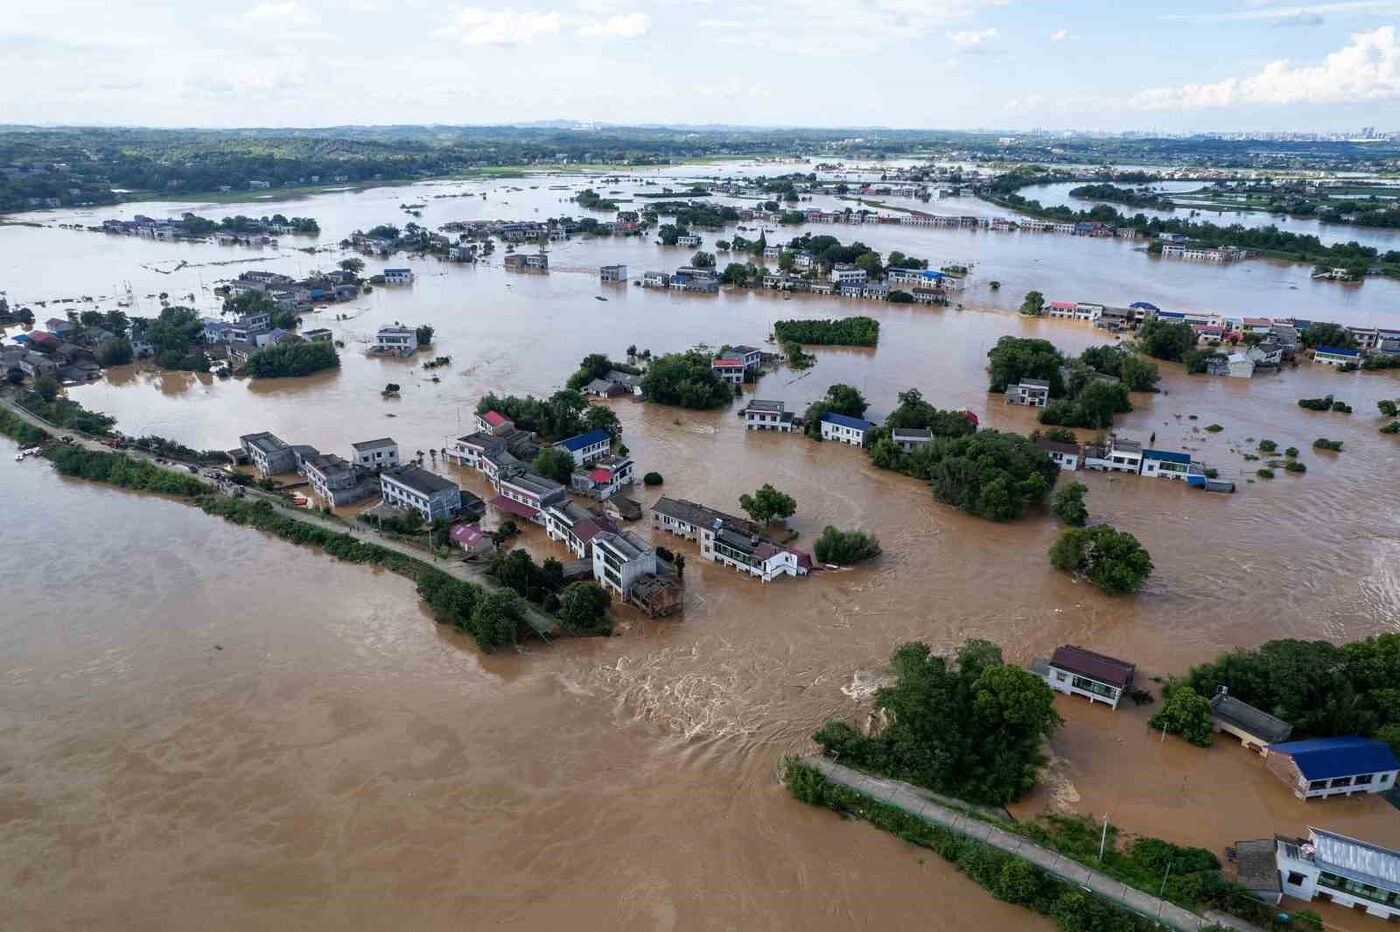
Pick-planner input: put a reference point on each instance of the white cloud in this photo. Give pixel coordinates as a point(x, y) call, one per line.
point(621, 26)
point(1312, 10)
point(278, 13)
point(970, 38)
point(1367, 69)
point(475, 26)
point(1059, 35)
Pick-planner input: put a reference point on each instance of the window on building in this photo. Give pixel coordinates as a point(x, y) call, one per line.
point(1363, 779)
point(1296, 879)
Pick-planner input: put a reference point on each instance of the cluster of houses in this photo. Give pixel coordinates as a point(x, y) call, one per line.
point(759, 414)
point(556, 229)
point(618, 560)
point(291, 294)
point(374, 468)
point(1263, 342)
point(1119, 454)
point(737, 364)
point(64, 351)
point(685, 278)
point(527, 262)
point(1323, 866)
point(729, 541)
point(247, 231)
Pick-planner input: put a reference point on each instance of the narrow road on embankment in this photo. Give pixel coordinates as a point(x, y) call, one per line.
point(913, 801)
point(539, 621)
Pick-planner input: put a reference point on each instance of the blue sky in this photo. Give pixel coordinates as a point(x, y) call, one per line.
point(955, 64)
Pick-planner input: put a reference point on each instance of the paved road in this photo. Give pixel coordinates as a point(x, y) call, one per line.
point(912, 800)
point(539, 621)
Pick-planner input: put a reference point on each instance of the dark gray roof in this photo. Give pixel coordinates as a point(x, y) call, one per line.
point(696, 514)
point(265, 441)
point(1248, 719)
point(1036, 383)
point(775, 407)
point(372, 444)
point(1256, 865)
point(911, 433)
point(420, 480)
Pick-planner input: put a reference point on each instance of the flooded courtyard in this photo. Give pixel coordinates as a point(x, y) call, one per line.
point(206, 727)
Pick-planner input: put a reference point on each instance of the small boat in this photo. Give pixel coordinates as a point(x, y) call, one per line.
point(598, 297)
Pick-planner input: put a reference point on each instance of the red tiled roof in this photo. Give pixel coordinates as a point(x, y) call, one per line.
point(511, 506)
point(494, 418)
point(600, 475)
point(1098, 667)
point(729, 363)
point(804, 560)
point(1063, 304)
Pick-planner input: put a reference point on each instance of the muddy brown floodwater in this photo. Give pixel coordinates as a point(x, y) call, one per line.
point(204, 727)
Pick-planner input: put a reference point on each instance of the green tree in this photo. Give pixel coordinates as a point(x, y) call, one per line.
point(46, 386)
point(703, 260)
point(554, 463)
point(1016, 358)
point(114, 351)
point(1113, 560)
point(972, 727)
point(839, 399)
point(1321, 333)
point(598, 416)
point(288, 360)
point(1068, 504)
point(1164, 339)
point(1184, 712)
point(1033, 305)
point(423, 334)
point(686, 380)
point(353, 265)
point(845, 547)
point(495, 619)
point(584, 606)
point(990, 474)
point(768, 504)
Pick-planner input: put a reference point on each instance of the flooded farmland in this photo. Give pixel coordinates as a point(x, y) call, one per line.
point(207, 727)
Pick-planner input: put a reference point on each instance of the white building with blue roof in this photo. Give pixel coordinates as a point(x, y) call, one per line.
point(1337, 356)
point(1169, 464)
point(845, 429)
point(1344, 766)
point(587, 447)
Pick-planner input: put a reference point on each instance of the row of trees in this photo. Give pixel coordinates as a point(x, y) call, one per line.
point(288, 360)
point(844, 331)
point(581, 607)
point(566, 413)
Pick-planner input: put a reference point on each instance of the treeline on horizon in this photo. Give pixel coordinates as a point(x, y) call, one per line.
point(199, 160)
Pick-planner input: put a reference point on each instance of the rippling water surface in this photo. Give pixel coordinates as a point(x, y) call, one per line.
point(204, 727)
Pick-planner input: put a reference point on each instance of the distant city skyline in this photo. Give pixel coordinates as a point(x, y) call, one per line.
point(1218, 66)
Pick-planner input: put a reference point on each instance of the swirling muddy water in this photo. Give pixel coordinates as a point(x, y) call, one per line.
point(205, 727)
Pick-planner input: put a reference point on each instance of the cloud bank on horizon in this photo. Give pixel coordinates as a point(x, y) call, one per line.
point(954, 64)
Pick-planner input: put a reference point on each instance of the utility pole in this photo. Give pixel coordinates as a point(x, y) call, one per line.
point(1103, 838)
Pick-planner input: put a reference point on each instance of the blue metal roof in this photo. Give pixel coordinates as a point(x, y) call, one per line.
point(843, 420)
point(1145, 305)
point(1172, 315)
point(1167, 456)
point(1325, 758)
point(1338, 350)
point(574, 444)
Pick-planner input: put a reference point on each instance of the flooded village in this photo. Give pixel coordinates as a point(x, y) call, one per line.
point(266, 735)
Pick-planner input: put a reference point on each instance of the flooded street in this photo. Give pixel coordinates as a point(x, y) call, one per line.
point(204, 727)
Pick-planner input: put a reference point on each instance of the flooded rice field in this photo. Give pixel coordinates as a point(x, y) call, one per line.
point(206, 727)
